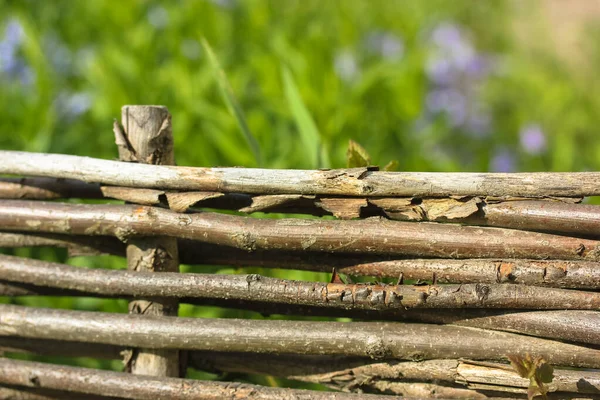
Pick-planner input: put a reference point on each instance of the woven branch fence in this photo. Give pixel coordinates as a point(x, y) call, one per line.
point(482, 267)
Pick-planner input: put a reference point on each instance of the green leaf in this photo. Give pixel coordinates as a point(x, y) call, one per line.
point(537, 370)
point(309, 134)
point(391, 166)
point(230, 100)
point(357, 156)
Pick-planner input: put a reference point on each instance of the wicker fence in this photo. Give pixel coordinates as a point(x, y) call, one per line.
point(485, 267)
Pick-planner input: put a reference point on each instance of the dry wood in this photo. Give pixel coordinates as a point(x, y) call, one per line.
point(577, 326)
point(27, 393)
point(377, 340)
point(551, 273)
point(47, 188)
point(280, 291)
point(108, 383)
point(547, 216)
point(354, 374)
point(372, 236)
point(347, 182)
point(342, 373)
point(581, 327)
point(147, 138)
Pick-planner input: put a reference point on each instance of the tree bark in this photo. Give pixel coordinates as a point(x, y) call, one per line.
point(377, 340)
point(147, 138)
point(346, 182)
point(352, 374)
point(254, 287)
point(371, 236)
point(109, 383)
point(341, 373)
point(550, 273)
point(25, 393)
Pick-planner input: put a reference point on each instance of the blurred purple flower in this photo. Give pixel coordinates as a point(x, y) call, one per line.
point(14, 33)
point(450, 101)
point(60, 56)
point(72, 105)
point(440, 71)
point(446, 35)
point(345, 65)
point(533, 140)
point(158, 17)
point(387, 45)
point(478, 124)
point(503, 161)
point(10, 63)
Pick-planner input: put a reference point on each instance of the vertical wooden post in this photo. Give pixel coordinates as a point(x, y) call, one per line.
point(146, 137)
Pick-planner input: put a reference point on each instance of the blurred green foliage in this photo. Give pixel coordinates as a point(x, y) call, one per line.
point(436, 85)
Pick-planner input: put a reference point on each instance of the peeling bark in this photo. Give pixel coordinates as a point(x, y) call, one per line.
point(341, 373)
point(377, 340)
point(371, 236)
point(108, 383)
point(551, 273)
point(280, 291)
point(346, 182)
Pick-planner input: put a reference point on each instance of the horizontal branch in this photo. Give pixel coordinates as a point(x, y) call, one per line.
point(11, 392)
point(551, 273)
point(342, 373)
point(576, 326)
point(377, 340)
point(109, 383)
point(346, 182)
point(352, 375)
point(547, 216)
point(280, 291)
point(371, 236)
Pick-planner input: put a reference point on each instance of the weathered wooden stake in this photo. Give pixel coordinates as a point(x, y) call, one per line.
point(146, 137)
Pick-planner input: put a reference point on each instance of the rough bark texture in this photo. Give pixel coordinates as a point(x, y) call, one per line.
point(551, 215)
point(371, 236)
point(108, 383)
point(550, 273)
point(341, 373)
point(147, 138)
point(8, 392)
point(377, 340)
point(280, 291)
point(351, 374)
point(575, 326)
point(346, 182)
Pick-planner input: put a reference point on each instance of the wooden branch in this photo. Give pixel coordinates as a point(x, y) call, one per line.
point(345, 182)
point(47, 189)
point(108, 383)
point(31, 393)
point(581, 327)
point(147, 138)
point(551, 273)
point(573, 326)
point(342, 373)
point(377, 340)
point(372, 236)
point(76, 245)
point(280, 291)
point(352, 374)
